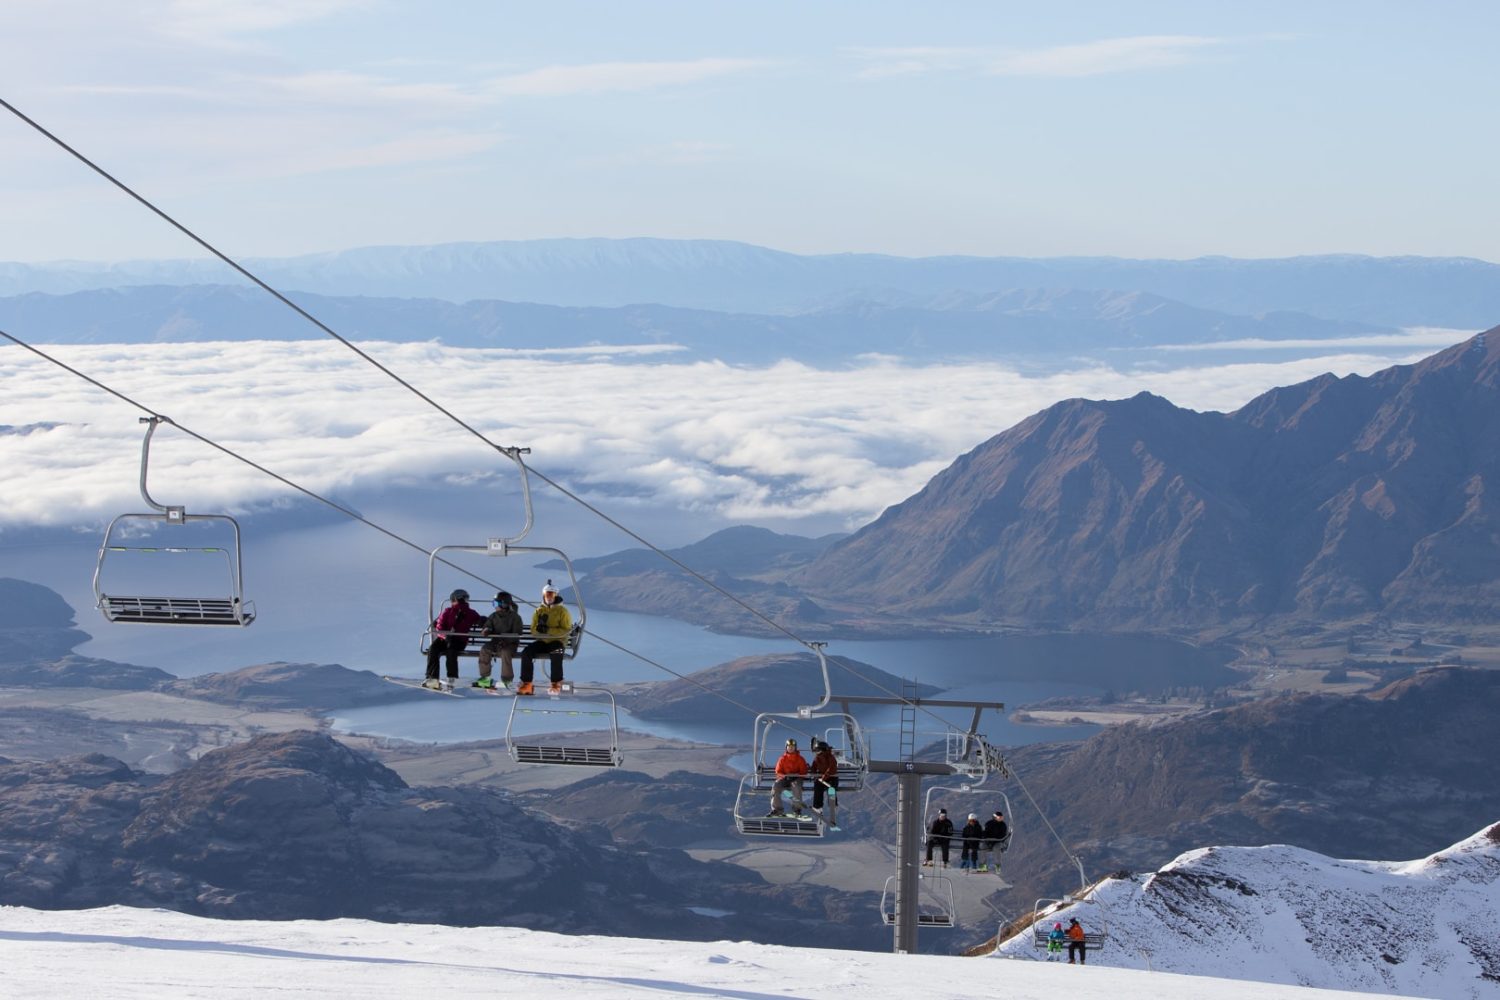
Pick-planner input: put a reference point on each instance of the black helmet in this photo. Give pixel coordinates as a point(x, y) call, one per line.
point(459, 595)
point(503, 597)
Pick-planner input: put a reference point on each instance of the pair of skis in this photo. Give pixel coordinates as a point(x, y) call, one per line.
point(494, 692)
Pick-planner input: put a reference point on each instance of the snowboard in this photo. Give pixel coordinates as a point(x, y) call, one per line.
point(407, 682)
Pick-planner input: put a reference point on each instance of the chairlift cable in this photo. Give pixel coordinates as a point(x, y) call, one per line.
point(334, 504)
point(511, 452)
point(243, 271)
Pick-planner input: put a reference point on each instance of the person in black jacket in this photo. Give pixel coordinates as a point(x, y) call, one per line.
point(972, 833)
point(938, 836)
point(996, 837)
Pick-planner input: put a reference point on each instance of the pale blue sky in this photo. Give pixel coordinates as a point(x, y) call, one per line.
point(1141, 129)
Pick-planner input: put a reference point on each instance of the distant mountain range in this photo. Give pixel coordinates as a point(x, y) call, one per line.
point(1280, 914)
point(1001, 325)
point(726, 276)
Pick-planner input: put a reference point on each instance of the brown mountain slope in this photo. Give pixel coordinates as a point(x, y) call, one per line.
point(1397, 774)
point(1336, 497)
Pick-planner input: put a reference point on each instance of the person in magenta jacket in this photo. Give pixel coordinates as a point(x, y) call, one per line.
point(456, 617)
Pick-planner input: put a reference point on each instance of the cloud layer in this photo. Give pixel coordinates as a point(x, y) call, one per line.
point(771, 444)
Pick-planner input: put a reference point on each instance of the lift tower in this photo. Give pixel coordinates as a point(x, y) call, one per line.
point(974, 758)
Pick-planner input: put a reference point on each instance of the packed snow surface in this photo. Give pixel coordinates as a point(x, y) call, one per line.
point(130, 954)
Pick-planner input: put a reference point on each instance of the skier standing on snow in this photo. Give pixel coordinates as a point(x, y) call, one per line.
point(825, 775)
point(938, 835)
point(972, 834)
point(505, 620)
point(457, 617)
point(790, 770)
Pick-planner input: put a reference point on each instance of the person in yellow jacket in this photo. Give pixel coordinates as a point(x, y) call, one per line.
point(550, 625)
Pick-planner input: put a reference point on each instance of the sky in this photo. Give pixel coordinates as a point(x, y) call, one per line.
point(1150, 129)
point(132, 954)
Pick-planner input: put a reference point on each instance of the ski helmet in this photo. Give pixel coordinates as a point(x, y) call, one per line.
point(459, 595)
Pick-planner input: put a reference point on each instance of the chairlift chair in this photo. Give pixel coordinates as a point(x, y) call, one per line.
point(750, 816)
point(935, 907)
point(220, 608)
point(851, 748)
point(553, 748)
point(1045, 910)
point(498, 546)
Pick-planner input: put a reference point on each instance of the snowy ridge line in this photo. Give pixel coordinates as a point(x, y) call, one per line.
point(1281, 914)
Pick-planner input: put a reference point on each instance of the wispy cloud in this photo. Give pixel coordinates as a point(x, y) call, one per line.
point(1415, 337)
point(207, 21)
point(605, 77)
point(1106, 56)
point(834, 444)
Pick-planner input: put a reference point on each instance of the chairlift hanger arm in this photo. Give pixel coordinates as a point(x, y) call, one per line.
point(175, 515)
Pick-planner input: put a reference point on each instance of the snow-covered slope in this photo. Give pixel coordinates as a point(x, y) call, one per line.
point(127, 954)
point(1284, 915)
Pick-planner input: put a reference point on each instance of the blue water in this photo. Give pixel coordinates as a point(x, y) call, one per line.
point(337, 598)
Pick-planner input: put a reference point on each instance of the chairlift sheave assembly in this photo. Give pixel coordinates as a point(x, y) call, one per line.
point(226, 607)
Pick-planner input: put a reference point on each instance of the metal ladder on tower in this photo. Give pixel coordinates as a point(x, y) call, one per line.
point(908, 720)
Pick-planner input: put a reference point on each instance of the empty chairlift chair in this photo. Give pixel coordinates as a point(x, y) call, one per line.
point(935, 906)
point(597, 745)
point(118, 604)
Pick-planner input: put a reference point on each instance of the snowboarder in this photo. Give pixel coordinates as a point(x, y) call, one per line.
point(506, 622)
point(1077, 942)
point(447, 639)
point(825, 775)
point(972, 833)
point(938, 835)
point(790, 770)
point(550, 625)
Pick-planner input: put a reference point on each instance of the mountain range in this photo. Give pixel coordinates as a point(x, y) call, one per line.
point(1330, 499)
point(1012, 325)
point(726, 276)
point(1335, 499)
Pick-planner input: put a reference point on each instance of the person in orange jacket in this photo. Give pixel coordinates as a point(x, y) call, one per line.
point(1077, 942)
point(791, 769)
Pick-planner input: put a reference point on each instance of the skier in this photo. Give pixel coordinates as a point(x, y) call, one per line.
point(447, 641)
point(1077, 942)
point(790, 770)
point(825, 775)
point(938, 835)
point(995, 832)
point(1055, 943)
point(972, 833)
point(550, 625)
point(504, 621)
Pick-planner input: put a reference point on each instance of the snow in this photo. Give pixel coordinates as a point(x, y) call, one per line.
point(1285, 915)
point(133, 954)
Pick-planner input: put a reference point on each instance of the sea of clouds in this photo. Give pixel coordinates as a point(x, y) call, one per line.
point(775, 443)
